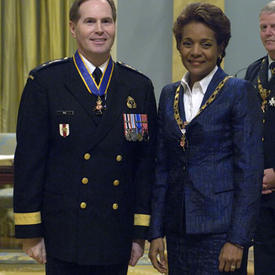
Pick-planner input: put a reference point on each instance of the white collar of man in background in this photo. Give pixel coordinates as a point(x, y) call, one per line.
point(193, 98)
point(91, 67)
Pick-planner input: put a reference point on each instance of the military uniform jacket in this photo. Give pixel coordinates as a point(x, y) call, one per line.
point(252, 74)
point(79, 183)
point(260, 69)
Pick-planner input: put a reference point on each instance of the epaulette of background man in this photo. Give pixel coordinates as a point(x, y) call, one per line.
point(130, 68)
point(46, 65)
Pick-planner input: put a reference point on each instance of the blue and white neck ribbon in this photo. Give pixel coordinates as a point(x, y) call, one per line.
point(88, 78)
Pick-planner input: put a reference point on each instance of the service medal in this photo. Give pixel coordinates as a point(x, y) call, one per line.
point(140, 137)
point(134, 135)
point(128, 134)
point(99, 108)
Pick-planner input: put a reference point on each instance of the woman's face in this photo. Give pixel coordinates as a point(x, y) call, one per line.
point(199, 50)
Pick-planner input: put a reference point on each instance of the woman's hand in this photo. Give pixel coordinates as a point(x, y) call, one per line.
point(230, 257)
point(156, 255)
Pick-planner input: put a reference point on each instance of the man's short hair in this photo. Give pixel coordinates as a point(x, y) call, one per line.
point(74, 11)
point(269, 8)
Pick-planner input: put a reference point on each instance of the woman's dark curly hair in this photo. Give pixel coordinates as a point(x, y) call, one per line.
point(210, 15)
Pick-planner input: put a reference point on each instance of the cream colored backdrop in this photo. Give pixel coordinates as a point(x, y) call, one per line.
point(177, 67)
point(32, 32)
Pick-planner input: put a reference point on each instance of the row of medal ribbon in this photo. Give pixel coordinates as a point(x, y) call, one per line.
point(136, 127)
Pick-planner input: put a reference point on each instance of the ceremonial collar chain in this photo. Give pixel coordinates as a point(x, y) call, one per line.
point(182, 124)
point(263, 92)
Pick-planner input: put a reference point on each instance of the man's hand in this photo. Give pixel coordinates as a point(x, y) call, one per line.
point(35, 248)
point(156, 255)
point(268, 181)
point(137, 251)
point(230, 257)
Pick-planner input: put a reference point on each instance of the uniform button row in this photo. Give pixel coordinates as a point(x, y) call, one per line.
point(86, 180)
point(83, 205)
point(87, 156)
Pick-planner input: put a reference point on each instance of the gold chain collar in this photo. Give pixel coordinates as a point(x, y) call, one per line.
point(263, 92)
point(182, 124)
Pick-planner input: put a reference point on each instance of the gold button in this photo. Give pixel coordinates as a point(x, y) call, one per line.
point(115, 206)
point(116, 182)
point(118, 158)
point(263, 120)
point(83, 205)
point(262, 139)
point(84, 180)
point(87, 156)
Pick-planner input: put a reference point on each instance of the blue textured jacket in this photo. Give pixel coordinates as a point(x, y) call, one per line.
point(218, 177)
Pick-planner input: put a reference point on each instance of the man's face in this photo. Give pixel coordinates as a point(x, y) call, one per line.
point(95, 30)
point(267, 32)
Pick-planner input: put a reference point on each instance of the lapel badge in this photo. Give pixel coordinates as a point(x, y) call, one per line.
point(272, 102)
point(64, 130)
point(131, 104)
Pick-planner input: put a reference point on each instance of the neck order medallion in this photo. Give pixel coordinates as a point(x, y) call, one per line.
point(99, 90)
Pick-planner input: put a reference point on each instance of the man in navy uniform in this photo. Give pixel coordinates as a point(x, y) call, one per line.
point(260, 73)
point(85, 154)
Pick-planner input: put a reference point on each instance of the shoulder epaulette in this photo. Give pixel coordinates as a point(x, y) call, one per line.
point(258, 61)
point(46, 65)
point(130, 68)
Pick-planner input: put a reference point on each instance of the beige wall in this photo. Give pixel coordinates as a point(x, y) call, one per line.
point(177, 67)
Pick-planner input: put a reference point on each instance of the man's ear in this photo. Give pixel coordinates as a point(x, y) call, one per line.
point(72, 28)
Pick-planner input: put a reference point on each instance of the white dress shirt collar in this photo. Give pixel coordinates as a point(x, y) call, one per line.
point(203, 82)
point(91, 67)
point(192, 99)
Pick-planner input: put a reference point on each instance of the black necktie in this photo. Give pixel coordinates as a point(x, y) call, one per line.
point(272, 69)
point(97, 75)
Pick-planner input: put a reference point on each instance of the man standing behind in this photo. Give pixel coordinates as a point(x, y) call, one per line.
point(261, 74)
point(85, 155)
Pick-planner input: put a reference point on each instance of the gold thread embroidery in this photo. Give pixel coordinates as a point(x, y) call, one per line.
point(27, 218)
point(142, 220)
